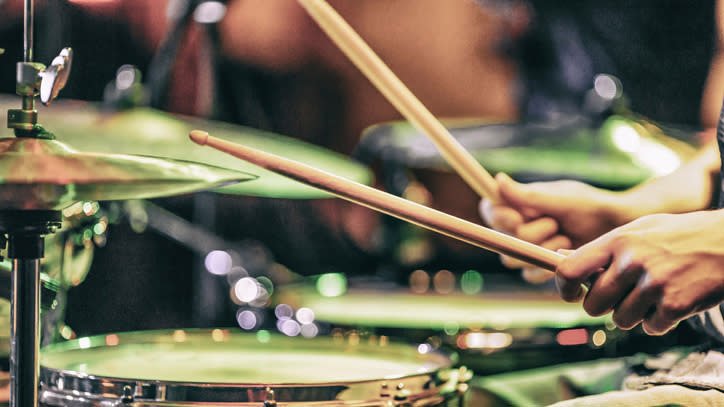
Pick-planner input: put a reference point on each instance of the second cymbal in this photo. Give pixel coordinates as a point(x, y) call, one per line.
point(147, 131)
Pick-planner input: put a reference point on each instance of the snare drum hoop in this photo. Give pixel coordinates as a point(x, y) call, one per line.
point(59, 386)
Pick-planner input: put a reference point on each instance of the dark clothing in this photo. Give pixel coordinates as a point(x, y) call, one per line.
point(660, 50)
point(711, 322)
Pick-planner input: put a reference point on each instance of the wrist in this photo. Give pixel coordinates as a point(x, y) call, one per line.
point(621, 207)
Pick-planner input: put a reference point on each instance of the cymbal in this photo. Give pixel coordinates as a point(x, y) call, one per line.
point(48, 174)
point(618, 152)
point(147, 131)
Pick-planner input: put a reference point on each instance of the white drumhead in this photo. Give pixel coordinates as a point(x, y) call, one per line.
point(239, 359)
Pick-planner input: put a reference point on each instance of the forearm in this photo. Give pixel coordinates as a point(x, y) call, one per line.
point(687, 189)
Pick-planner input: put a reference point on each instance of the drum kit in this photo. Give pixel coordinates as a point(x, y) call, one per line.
point(105, 159)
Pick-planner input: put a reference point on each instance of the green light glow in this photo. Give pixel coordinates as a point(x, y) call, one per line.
point(471, 282)
point(263, 336)
point(451, 328)
point(99, 228)
point(331, 284)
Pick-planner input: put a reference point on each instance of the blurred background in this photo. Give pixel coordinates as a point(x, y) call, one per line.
point(588, 90)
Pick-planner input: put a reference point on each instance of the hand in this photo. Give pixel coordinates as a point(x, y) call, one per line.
point(656, 270)
point(555, 215)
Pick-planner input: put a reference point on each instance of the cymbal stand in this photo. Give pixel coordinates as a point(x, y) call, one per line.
point(23, 230)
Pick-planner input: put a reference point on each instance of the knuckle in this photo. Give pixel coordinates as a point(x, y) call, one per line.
point(594, 308)
point(565, 270)
point(673, 310)
point(622, 321)
point(625, 241)
point(652, 285)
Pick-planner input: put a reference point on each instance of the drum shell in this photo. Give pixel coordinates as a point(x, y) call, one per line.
point(440, 386)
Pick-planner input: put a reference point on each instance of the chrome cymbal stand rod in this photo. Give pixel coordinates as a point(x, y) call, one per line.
point(28, 44)
point(25, 244)
point(28, 31)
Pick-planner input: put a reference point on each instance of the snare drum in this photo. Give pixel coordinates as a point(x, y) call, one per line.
point(211, 367)
point(492, 331)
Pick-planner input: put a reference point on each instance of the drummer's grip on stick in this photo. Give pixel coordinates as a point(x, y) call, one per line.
point(388, 204)
point(401, 97)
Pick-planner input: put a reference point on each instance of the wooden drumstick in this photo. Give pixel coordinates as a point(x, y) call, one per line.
point(401, 97)
point(387, 203)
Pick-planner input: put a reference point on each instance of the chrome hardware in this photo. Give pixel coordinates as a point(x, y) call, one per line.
point(127, 396)
point(270, 402)
point(54, 78)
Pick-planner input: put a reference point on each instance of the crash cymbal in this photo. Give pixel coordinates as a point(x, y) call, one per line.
point(147, 131)
point(616, 153)
point(48, 174)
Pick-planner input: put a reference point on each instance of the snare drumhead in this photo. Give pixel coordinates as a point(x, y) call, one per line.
point(232, 364)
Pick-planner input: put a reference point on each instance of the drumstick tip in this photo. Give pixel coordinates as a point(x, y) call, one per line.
point(199, 137)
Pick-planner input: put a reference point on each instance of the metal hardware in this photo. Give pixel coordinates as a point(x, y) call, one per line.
point(270, 402)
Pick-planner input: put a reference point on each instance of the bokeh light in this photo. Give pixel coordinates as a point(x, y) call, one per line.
point(419, 281)
point(246, 289)
point(599, 338)
point(485, 340)
point(606, 86)
point(444, 282)
point(247, 319)
point(570, 337)
point(626, 138)
point(471, 282)
point(218, 262)
point(209, 12)
point(310, 330)
point(331, 284)
point(179, 336)
point(424, 348)
point(290, 327)
point(263, 336)
point(236, 273)
point(112, 340)
point(305, 315)
point(451, 328)
point(84, 343)
point(283, 311)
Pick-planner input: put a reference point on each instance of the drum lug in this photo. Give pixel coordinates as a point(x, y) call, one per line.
point(127, 396)
point(464, 376)
point(384, 390)
point(455, 380)
point(270, 402)
point(401, 395)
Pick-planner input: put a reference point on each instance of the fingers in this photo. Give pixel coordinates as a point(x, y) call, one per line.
point(580, 266)
point(625, 286)
point(499, 217)
point(612, 286)
point(637, 306)
point(556, 242)
point(536, 275)
point(515, 194)
point(538, 230)
point(649, 304)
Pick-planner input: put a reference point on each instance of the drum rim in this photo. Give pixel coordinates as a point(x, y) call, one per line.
point(63, 382)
